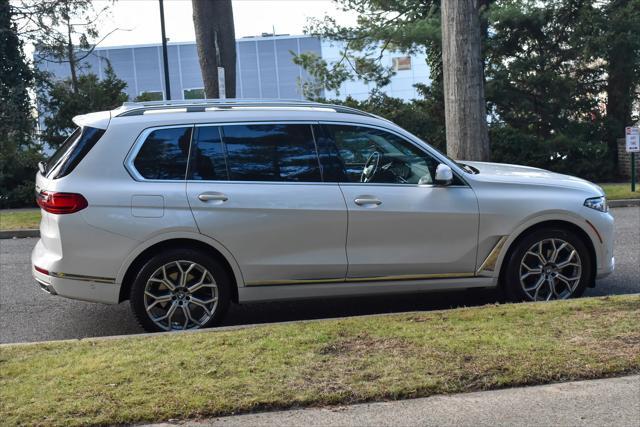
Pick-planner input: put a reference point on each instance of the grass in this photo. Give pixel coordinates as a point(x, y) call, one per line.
point(621, 191)
point(144, 379)
point(19, 219)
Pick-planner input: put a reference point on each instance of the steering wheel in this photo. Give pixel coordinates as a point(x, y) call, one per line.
point(370, 167)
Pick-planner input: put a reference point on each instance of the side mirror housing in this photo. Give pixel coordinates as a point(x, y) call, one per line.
point(444, 175)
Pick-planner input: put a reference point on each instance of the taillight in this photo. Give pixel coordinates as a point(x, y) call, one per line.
point(61, 203)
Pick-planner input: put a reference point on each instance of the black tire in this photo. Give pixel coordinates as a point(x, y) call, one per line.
point(184, 256)
point(514, 289)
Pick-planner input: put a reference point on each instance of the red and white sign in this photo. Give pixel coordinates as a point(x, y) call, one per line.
point(633, 139)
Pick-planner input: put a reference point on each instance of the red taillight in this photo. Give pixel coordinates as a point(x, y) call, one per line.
point(61, 203)
point(41, 270)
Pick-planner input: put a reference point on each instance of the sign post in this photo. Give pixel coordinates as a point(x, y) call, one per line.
point(222, 90)
point(632, 139)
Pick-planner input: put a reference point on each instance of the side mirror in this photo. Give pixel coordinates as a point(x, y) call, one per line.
point(42, 167)
point(444, 175)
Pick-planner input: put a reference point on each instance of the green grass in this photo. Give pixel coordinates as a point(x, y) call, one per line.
point(144, 379)
point(19, 219)
point(621, 191)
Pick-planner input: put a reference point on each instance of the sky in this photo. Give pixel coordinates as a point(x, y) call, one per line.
point(140, 19)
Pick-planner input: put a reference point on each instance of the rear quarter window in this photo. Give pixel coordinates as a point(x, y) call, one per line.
point(164, 153)
point(72, 151)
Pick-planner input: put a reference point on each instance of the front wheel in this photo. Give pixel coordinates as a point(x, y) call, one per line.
point(180, 289)
point(548, 264)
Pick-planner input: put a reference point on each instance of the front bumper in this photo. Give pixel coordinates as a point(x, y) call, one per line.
point(608, 269)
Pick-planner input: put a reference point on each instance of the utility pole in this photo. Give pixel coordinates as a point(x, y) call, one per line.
point(165, 60)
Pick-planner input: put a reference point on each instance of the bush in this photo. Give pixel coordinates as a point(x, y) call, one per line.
point(572, 155)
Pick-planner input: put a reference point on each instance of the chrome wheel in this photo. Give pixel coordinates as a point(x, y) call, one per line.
point(181, 295)
point(550, 269)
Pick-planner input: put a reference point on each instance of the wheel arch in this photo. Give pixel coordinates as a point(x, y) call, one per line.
point(580, 232)
point(138, 257)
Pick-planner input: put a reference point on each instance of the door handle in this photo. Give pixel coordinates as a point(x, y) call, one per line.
point(364, 201)
point(217, 197)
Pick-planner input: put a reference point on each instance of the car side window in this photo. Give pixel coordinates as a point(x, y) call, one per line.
point(371, 155)
point(271, 152)
point(164, 154)
point(207, 160)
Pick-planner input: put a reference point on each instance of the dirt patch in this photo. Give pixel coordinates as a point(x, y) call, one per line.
point(361, 344)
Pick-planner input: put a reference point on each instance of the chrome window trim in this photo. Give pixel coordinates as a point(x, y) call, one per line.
point(137, 145)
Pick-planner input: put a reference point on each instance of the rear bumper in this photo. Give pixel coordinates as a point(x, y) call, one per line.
point(85, 288)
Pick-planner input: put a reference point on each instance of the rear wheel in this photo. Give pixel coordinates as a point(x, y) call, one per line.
point(548, 264)
point(180, 289)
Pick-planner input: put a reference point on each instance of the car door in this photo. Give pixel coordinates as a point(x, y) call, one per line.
point(401, 225)
point(258, 190)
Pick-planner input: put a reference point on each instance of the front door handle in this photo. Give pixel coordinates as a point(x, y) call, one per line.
point(212, 196)
point(367, 201)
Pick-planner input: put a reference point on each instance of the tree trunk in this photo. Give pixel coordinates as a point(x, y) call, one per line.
point(71, 54)
point(463, 75)
point(216, 41)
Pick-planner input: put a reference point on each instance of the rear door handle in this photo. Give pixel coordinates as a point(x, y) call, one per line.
point(367, 201)
point(212, 196)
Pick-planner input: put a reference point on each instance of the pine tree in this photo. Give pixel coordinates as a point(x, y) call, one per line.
point(19, 153)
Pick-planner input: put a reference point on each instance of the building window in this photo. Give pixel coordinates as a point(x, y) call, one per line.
point(401, 63)
point(196, 93)
point(150, 96)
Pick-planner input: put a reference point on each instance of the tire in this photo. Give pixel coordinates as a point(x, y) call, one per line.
point(534, 273)
point(199, 301)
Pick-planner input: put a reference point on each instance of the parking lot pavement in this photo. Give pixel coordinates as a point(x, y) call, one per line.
point(29, 314)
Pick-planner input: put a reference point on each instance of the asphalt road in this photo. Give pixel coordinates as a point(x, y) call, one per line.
point(29, 314)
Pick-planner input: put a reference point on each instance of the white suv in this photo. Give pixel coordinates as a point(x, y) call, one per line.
point(182, 208)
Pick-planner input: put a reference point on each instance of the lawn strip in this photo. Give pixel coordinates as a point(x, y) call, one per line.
point(155, 378)
point(19, 219)
point(620, 191)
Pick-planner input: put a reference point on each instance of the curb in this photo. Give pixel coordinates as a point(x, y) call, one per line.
point(623, 203)
point(265, 324)
point(19, 234)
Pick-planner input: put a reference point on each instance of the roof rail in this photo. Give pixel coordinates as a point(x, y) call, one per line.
point(200, 105)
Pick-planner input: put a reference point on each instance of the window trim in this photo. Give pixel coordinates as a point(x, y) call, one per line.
point(128, 163)
point(411, 141)
point(139, 142)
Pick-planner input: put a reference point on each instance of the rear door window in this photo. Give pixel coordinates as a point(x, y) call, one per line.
point(164, 154)
point(271, 152)
point(207, 155)
point(72, 151)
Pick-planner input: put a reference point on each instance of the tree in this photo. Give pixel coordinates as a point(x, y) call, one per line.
point(622, 38)
point(463, 72)
point(19, 153)
point(215, 38)
point(63, 31)
point(64, 103)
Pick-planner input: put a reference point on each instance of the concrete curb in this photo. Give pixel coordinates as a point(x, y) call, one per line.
point(624, 203)
point(265, 324)
point(20, 234)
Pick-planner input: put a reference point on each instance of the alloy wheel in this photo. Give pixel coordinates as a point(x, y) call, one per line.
point(550, 269)
point(181, 295)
